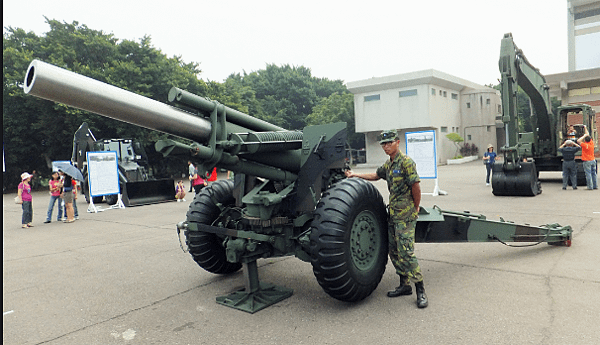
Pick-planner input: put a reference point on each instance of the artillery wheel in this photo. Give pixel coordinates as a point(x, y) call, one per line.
point(349, 240)
point(206, 248)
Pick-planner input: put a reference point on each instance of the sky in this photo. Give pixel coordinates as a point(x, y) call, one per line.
point(345, 40)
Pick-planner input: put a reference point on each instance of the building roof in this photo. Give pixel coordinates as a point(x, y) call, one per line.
point(430, 76)
point(573, 80)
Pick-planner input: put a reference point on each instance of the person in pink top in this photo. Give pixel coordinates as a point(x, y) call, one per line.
point(24, 194)
point(55, 186)
point(198, 182)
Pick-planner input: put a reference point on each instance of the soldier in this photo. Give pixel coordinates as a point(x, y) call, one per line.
point(400, 172)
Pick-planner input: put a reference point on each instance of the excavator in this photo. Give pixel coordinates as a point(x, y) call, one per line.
point(137, 184)
point(528, 153)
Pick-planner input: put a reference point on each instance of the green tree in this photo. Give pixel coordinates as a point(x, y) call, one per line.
point(338, 107)
point(36, 131)
point(456, 139)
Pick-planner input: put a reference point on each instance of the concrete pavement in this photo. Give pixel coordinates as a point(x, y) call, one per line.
point(119, 277)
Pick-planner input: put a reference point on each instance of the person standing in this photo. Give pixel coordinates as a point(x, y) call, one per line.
point(589, 161)
point(489, 157)
point(24, 194)
point(55, 186)
point(75, 212)
point(400, 172)
point(67, 194)
point(569, 166)
point(191, 172)
point(198, 182)
point(34, 182)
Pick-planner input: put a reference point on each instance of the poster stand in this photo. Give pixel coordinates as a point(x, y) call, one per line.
point(92, 208)
point(421, 147)
point(119, 203)
point(436, 190)
point(103, 179)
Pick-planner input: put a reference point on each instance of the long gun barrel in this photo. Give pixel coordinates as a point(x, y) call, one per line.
point(56, 84)
point(225, 132)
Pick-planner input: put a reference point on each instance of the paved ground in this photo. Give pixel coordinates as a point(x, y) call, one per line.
point(119, 277)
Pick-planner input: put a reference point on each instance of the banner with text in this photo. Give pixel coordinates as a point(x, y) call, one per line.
point(103, 173)
point(420, 146)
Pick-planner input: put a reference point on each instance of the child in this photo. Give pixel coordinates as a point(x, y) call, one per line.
point(24, 194)
point(180, 191)
point(55, 187)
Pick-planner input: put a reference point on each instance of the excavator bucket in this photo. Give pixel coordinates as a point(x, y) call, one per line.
point(522, 181)
point(148, 192)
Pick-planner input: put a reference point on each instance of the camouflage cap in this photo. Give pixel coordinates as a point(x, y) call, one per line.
point(388, 136)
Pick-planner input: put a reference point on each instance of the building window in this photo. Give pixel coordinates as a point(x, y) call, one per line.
point(487, 101)
point(444, 129)
point(433, 92)
point(454, 96)
point(468, 136)
point(440, 92)
point(499, 109)
point(468, 105)
point(408, 93)
point(489, 128)
point(371, 98)
point(445, 94)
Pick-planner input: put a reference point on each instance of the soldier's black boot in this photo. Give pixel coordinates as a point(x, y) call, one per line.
point(422, 301)
point(403, 289)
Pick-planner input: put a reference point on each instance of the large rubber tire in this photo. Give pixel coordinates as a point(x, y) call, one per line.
point(349, 240)
point(206, 248)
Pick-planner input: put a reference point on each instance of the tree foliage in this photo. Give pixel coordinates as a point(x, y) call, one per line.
point(456, 139)
point(338, 107)
point(36, 131)
point(285, 95)
point(524, 109)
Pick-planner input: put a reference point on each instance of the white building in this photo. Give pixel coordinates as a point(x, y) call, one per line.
point(426, 100)
point(583, 29)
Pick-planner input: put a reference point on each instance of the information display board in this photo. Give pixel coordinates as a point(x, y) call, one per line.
point(420, 146)
point(103, 173)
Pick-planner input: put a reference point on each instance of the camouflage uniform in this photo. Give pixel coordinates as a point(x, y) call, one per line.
point(401, 174)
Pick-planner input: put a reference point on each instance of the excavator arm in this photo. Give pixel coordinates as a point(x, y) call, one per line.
point(517, 175)
point(516, 71)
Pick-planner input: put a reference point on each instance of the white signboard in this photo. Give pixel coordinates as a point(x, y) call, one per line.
point(420, 146)
point(103, 173)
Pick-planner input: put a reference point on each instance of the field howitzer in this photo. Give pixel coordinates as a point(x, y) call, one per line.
point(289, 195)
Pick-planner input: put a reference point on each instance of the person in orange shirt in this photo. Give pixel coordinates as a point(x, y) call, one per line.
point(589, 161)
